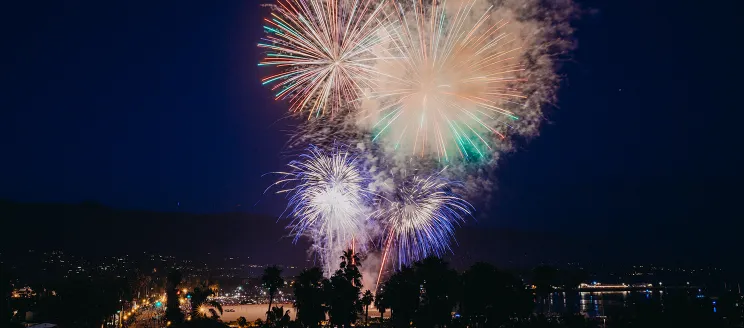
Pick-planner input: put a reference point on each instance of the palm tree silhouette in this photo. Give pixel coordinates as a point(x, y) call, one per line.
point(279, 317)
point(309, 297)
point(367, 299)
point(343, 290)
point(349, 257)
point(350, 264)
point(272, 280)
point(381, 305)
point(200, 301)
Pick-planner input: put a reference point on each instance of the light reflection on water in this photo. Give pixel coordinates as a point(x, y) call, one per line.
point(594, 304)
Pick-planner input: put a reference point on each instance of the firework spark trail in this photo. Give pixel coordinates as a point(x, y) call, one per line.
point(384, 258)
point(325, 50)
point(420, 219)
point(328, 202)
point(448, 90)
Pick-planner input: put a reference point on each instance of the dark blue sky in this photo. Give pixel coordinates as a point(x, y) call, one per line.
point(142, 105)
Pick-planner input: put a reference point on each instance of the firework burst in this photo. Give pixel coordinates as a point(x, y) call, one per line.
point(327, 201)
point(420, 219)
point(448, 92)
point(413, 86)
point(324, 49)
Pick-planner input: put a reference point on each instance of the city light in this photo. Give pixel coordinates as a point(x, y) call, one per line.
point(597, 285)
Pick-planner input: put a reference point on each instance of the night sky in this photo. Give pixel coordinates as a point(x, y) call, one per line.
point(157, 105)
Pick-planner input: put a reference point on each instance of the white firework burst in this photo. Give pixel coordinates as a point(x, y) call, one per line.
point(328, 202)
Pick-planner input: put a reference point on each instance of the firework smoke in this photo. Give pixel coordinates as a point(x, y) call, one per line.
point(410, 86)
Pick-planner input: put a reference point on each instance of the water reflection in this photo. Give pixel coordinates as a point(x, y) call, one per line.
point(595, 304)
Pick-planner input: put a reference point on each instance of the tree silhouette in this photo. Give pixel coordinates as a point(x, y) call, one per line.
point(401, 294)
point(5, 291)
point(439, 284)
point(381, 305)
point(242, 322)
point(343, 291)
point(82, 301)
point(491, 297)
point(200, 301)
point(272, 280)
point(367, 300)
point(172, 311)
point(544, 278)
point(571, 279)
point(350, 264)
point(279, 318)
point(309, 297)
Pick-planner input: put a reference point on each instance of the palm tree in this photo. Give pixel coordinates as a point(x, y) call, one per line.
point(272, 280)
point(200, 300)
point(279, 317)
point(350, 264)
point(343, 290)
point(381, 305)
point(309, 297)
point(367, 299)
point(349, 257)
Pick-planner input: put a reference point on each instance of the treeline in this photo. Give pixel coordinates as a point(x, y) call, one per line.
point(428, 293)
point(76, 301)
